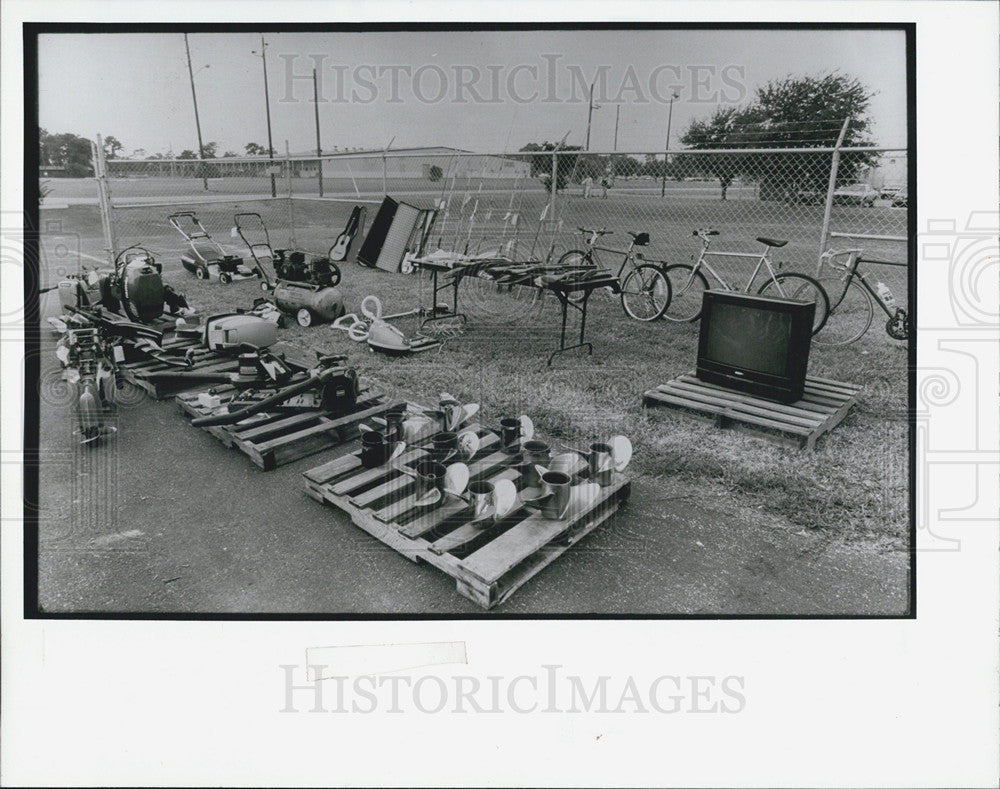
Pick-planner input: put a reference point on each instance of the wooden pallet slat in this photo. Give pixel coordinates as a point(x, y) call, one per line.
point(802, 408)
point(164, 388)
point(488, 561)
point(274, 439)
point(824, 405)
point(790, 415)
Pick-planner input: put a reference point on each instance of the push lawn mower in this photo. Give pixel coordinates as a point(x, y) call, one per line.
point(288, 264)
point(207, 258)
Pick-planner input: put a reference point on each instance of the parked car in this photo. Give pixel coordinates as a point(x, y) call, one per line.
point(901, 199)
point(855, 194)
point(889, 192)
point(806, 197)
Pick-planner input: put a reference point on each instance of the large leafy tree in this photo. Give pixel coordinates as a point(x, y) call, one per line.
point(68, 151)
point(541, 166)
point(112, 147)
point(727, 127)
point(795, 112)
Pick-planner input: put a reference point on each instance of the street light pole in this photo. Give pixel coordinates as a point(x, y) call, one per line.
point(670, 116)
point(267, 108)
point(197, 122)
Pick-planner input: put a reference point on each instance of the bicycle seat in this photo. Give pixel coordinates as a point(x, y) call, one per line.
point(639, 239)
point(777, 243)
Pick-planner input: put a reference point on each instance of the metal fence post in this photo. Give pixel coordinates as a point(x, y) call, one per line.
point(288, 196)
point(350, 173)
point(831, 186)
point(104, 198)
point(555, 182)
point(319, 144)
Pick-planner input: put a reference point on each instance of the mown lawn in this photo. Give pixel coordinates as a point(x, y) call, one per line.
point(854, 487)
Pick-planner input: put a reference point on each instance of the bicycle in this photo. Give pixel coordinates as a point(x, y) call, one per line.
point(689, 283)
point(645, 290)
point(851, 297)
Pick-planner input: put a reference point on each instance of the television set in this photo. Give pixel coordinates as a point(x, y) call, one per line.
point(755, 344)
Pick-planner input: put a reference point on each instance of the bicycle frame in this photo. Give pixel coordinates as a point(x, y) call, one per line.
point(851, 272)
point(628, 254)
point(762, 260)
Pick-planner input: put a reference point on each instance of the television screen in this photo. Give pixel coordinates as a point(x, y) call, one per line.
point(745, 336)
point(755, 344)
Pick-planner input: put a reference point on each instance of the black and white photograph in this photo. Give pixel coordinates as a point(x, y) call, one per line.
point(512, 321)
point(390, 367)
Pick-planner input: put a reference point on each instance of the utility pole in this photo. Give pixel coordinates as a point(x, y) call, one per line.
point(197, 122)
point(590, 115)
point(267, 108)
point(319, 146)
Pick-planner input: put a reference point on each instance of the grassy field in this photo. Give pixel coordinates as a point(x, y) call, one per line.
point(854, 487)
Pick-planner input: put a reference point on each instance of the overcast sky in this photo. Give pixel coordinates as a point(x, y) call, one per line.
point(476, 90)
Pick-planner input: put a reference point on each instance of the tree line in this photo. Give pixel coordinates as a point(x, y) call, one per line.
point(70, 154)
point(800, 113)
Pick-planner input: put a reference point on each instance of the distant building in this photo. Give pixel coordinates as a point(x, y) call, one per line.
point(429, 163)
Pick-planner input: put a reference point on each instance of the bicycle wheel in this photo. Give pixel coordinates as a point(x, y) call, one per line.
point(687, 287)
point(851, 312)
point(645, 293)
point(575, 258)
point(800, 287)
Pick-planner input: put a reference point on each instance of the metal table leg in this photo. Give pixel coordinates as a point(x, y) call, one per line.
point(582, 308)
point(437, 288)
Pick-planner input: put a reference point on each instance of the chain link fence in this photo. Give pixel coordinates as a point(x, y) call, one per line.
point(503, 204)
point(871, 215)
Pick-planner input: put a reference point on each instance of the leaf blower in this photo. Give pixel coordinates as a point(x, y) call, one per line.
point(134, 286)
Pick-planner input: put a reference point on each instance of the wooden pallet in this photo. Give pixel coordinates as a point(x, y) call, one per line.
point(274, 439)
point(205, 361)
point(138, 364)
point(489, 563)
point(823, 406)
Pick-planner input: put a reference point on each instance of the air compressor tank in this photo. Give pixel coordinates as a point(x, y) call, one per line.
point(308, 303)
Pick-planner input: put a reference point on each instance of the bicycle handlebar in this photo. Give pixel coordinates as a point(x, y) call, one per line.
point(601, 232)
point(704, 232)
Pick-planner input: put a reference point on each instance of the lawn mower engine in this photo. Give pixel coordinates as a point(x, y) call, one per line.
point(228, 264)
point(291, 265)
